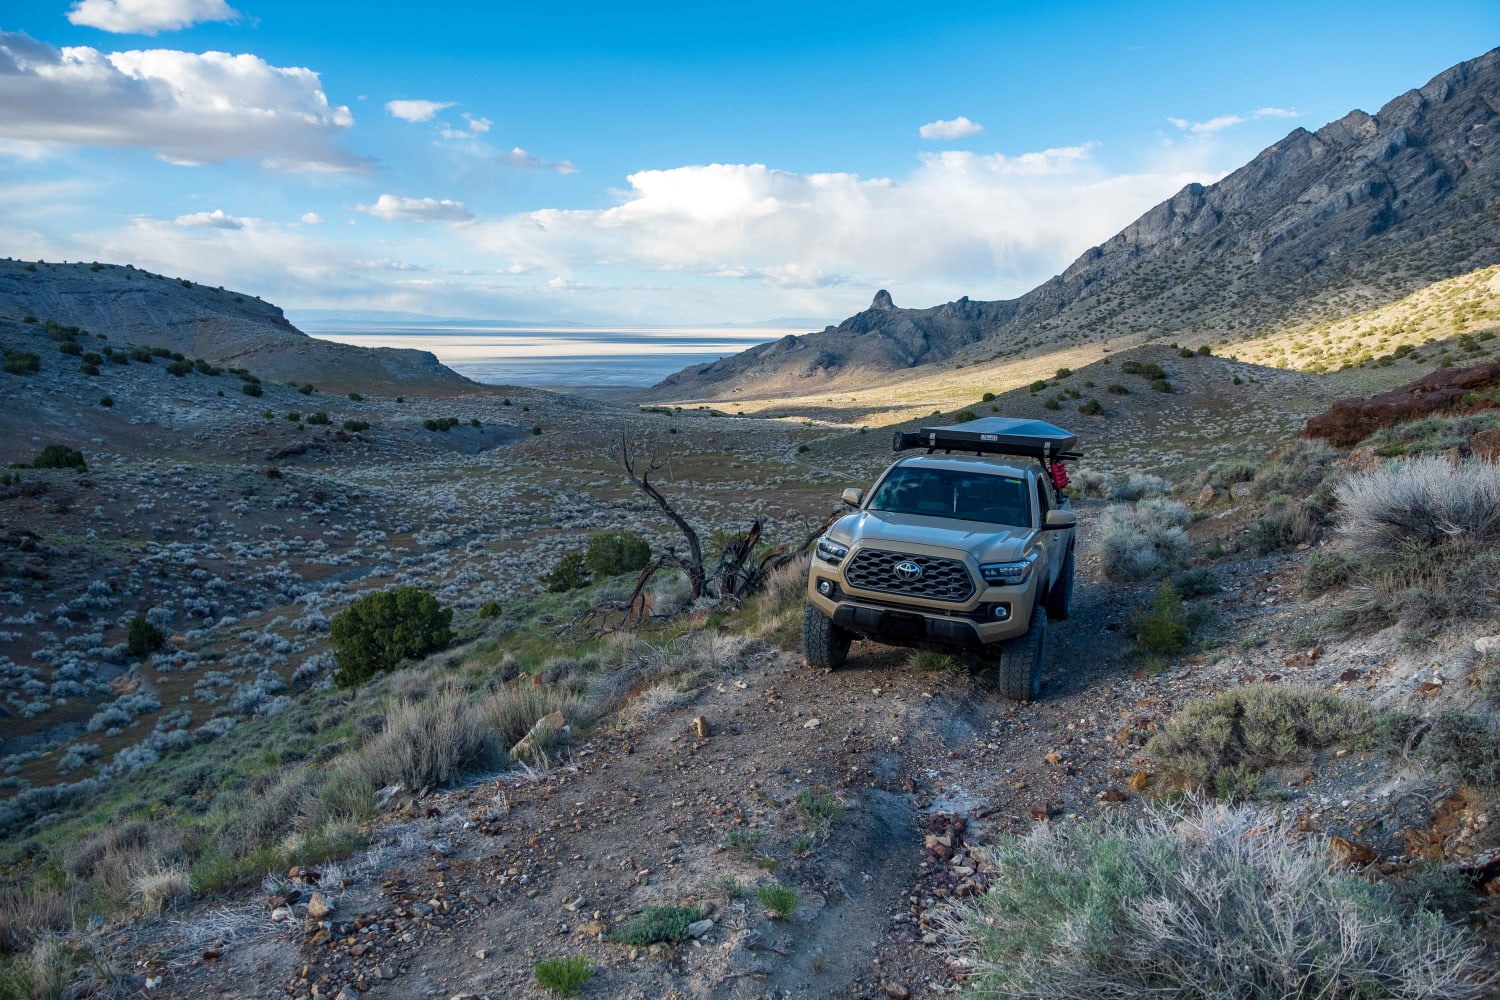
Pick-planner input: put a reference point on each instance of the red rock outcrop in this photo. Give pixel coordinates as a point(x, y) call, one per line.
point(1350, 421)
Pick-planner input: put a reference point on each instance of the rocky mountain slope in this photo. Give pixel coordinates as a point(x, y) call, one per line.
point(226, 328)
point(1358, 213)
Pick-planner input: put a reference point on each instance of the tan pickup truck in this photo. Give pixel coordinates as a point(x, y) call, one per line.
point(966, 548)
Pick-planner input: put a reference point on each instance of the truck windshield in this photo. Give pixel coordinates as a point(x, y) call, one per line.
point(949, 493)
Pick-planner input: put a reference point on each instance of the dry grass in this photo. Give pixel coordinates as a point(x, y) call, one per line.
point(156, 890)
point(1426, 501)
point(433, 742)
point(1217, 906)
point(1143, 540)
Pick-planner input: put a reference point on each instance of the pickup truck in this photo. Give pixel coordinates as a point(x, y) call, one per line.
point(966, 548)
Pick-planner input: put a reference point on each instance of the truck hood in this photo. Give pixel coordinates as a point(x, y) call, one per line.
point(881, 529)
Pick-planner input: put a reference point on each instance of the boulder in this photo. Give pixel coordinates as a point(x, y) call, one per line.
point(1349, 421)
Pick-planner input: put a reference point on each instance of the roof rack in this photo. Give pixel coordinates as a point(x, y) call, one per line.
point(995, 436)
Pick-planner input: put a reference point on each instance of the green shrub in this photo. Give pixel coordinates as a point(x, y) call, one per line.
point(378, 631)
point(819, 809)
point(356, 397)
point(1063, 373)
point(1257, 726)
point(355, 426)
point(320, 417)
point(964, 416)
point(106, 401)
point(22, 362)
point(1285, 526)
point(1218, 904)
point(59, 456)
point(1051, 404)
point(1161, 385)
point(1145, 369)
point(655, 925)
point(1185, 352)
point(143, 638)
point(251, 388)
point(988, 397)
point(1165, 630)
point(563, 976)
point(89, 369)
point(306, 389)
point(779, 900)
point(72, 347)
point(616, 552)
point(1196, 582)
point(490, 609)
point(1038, 386)
point(180, 368)
point(1092, 408)
point(1467, 745)
point(441, 424)
point(570, 573)
point(1116, 389)
point(1225, 472)
point(142, 354)
point(1204, 351)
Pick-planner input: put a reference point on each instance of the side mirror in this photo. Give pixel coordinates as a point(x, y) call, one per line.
point(853, 497)
point(1059, 519)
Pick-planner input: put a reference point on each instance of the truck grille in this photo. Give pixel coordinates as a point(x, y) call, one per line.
point(940, 579)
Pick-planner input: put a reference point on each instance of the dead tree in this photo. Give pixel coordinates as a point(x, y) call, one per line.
point(639, 462)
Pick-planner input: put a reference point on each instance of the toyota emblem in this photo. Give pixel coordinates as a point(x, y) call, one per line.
point(909, 570)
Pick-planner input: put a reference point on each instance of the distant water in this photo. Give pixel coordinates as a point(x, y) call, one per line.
point(559, 357)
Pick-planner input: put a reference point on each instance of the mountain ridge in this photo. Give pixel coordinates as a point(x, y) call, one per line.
point(1310, 223)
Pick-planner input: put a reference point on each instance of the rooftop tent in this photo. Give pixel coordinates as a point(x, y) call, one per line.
point(994, 436)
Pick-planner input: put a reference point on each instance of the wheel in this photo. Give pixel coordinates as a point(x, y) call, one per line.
point(1060, 597)
point(1020, 671)
point(824, 644)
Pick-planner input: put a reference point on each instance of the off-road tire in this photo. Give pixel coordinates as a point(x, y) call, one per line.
point(1060, 597)
point(824, 644)
point(1019, 673)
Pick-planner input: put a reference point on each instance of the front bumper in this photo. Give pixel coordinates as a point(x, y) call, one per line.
point(974, 627)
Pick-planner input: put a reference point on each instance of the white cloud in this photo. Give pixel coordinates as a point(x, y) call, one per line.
point(312, 218)
point(476, 127)
point(990, 224)
point(1222, 122)
point(955, 128)
point(190, 108)
point(416, 111)
point(391, 208)
point(522, 160)
point(217, 219)
point(147, 17)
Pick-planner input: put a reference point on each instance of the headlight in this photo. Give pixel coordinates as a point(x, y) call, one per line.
point(1008, 573)
point(830, 551)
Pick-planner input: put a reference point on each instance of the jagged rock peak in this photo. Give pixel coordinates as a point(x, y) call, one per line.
point(882, 300)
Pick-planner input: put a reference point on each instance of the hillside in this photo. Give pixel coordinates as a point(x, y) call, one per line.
point(1363, 211)
point(225, 328)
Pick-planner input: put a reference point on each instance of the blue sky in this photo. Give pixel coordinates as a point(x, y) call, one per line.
point(654, 163)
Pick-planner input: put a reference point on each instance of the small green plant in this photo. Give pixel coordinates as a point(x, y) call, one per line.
point(570, 573)
point(142, 638)
point(378, 631)
point(319, 417)
point(1161, 385)
point(964, 416)
point(779, 900)
point(819, 809)
point(106, 401)
point(1196, 582)
point(306, 389)
point(22, 362)
point(563, 976)
point(1116, 389)
point(490, 609)
point(1051, 404)
point(741, 839)
point(1165, 630)
point(656, 925)
point(1091, 408)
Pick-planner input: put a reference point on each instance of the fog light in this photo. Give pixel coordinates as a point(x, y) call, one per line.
point(1002, 612)
point(825, 587)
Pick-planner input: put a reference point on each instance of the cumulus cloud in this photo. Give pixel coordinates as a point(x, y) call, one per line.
point(522, 160)
point(415, 111)
point(147, 17)
point(391, 208)
point(312, 218)
point(980, 221)
point(217, 219)
point(1222, 122)
point(474, 128)
point(190, 108)
point(954, 128)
